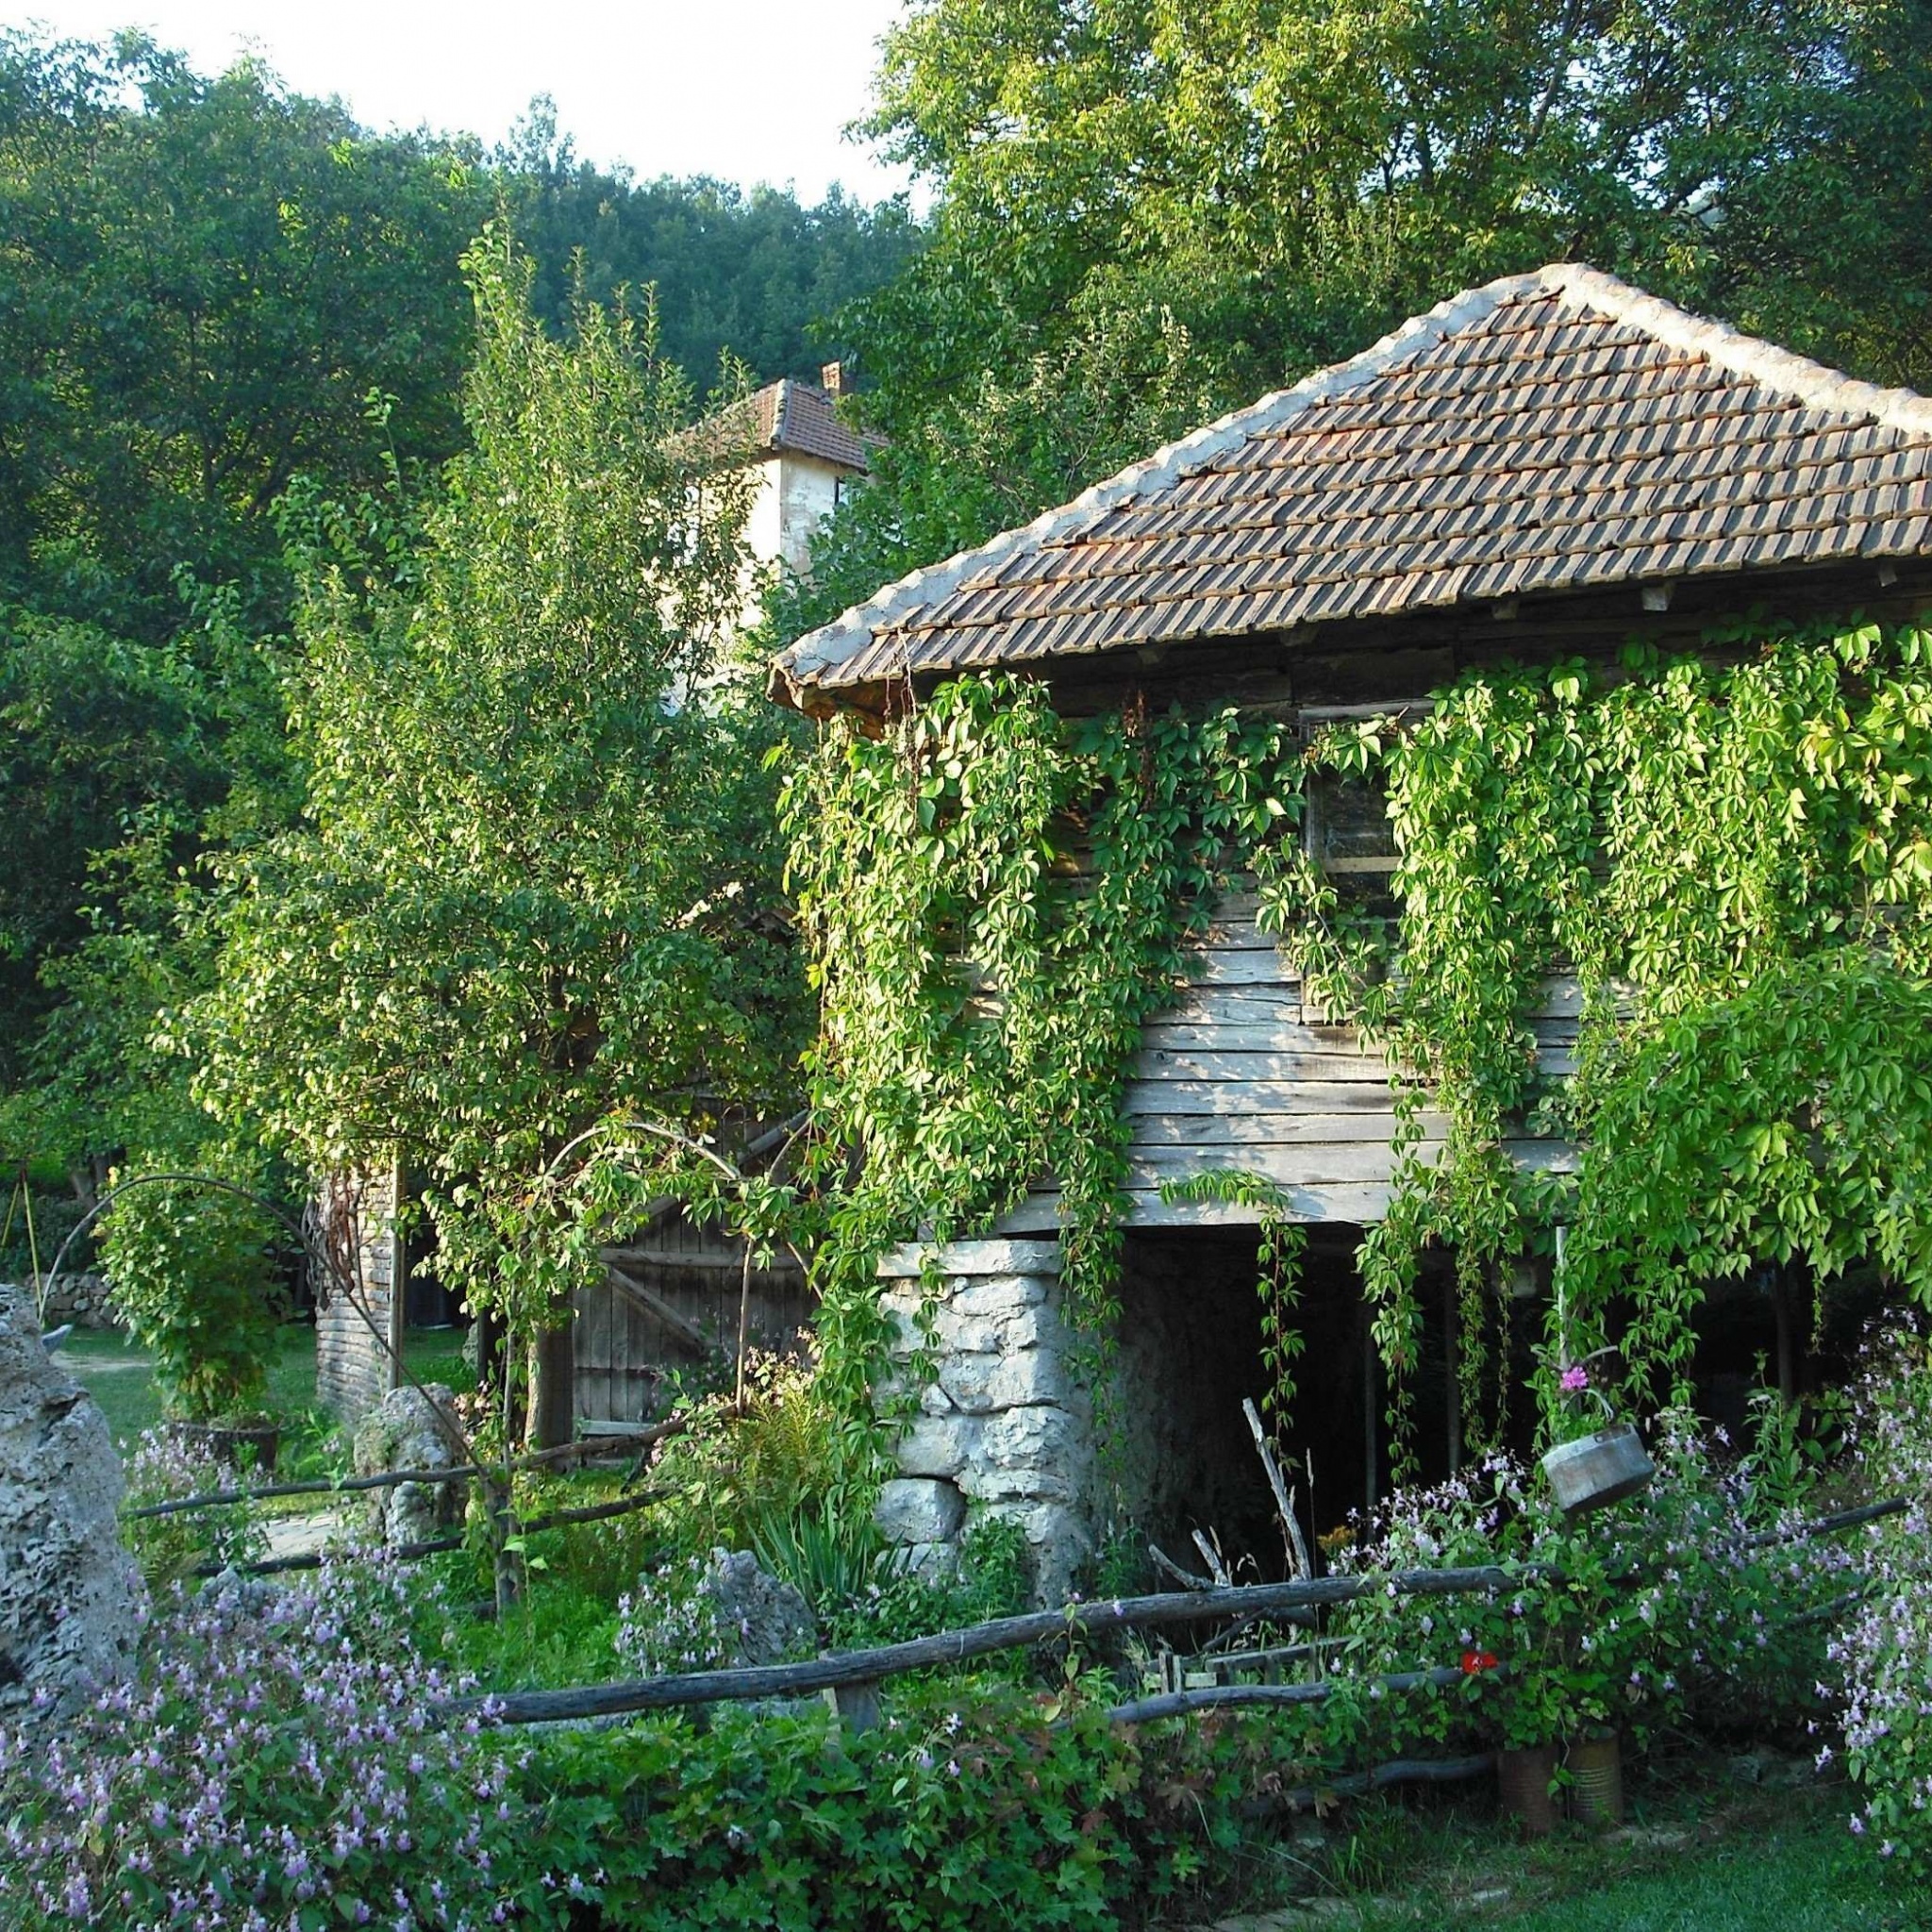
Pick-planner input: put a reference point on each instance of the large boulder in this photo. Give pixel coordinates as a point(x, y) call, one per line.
point(413, 1428)
point(70, 1599)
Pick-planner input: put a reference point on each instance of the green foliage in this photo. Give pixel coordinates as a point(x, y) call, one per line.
point(205, 279)
point(526, 910)
point(738, 1469)
point(748, 273)
point(193, 1271)
point(1736, 862)
point(994, 1579)
point(956, 1812)
point(829, 1551)
point(993, 903)
point(1734, 859)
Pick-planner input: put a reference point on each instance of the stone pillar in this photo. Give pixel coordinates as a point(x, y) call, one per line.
point(1003, 1427)
point(70, 1596)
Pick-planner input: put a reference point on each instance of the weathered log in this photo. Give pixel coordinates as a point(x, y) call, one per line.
point(981, 1640)
point(1284, 1500)
point(1400, 1770)
point(1221, 1696)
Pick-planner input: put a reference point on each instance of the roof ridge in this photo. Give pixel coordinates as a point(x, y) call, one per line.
point(1781, 370)
point(1815, 384)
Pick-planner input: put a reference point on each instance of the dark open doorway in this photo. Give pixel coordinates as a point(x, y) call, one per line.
point(1191, 1352)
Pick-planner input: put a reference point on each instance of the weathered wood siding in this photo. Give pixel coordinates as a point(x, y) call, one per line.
point(355, 1349)
point(669, 1302)
point(1239, 1074)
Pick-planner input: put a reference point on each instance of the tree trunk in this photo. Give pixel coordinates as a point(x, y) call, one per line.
point(552, 1379)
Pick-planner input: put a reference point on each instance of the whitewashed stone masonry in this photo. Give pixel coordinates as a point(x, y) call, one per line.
point(1003, 1427)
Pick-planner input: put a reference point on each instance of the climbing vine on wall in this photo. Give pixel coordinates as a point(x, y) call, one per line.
point(994, 902)
point(1732, 855)
point(1728, 860)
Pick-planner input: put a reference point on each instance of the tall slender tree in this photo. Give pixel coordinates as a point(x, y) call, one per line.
point(529, 902)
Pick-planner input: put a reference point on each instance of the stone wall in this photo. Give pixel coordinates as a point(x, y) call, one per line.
point(1003, 1427)
point(83, 1299)
point(353, 1369)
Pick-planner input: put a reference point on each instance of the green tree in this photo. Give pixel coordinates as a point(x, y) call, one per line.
point(201, 282)
point(750, 273)
point(531, 897)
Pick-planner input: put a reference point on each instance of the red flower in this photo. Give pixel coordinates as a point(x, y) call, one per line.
point(1476, 1661)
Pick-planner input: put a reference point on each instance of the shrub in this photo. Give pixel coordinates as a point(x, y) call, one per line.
point(164, 1469)
point(1004, 1809)
point(731, 1472)
point(192, 1275)
point(992, 1581)
point(275, 1765)
point(1882, 1650)
point(1663, 1605)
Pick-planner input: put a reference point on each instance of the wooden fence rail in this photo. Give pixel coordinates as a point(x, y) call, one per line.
point(440, 1545)
point(856, 1667)
point(348, 1486)
point(860, 1670)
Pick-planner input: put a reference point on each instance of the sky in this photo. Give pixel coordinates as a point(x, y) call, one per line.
point(746, 90)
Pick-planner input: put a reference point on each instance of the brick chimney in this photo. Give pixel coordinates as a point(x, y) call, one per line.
point(832, 378)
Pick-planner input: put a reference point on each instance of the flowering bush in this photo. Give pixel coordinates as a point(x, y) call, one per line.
point(276, 1767)
point(1882, 1651)
point(1688, 1595)
point(164, 1469)
point(668, 1625)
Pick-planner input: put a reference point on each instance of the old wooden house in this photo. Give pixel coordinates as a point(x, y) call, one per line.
point(1546, 466)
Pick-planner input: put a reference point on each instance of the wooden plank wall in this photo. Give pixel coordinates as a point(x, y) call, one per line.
point(624, 1351)
point(1239, 1074)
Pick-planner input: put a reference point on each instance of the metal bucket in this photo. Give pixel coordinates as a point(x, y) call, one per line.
point(1523, 1776)
point(1596, 1780)
point(1598, 1470)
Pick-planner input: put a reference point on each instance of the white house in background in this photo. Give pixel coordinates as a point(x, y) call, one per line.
point(807, 458)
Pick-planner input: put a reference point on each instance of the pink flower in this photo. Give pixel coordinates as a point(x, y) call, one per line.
point(1576, 1378)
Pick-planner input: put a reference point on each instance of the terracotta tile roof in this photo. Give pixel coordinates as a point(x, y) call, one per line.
point(796, 416)
point(1551, 431)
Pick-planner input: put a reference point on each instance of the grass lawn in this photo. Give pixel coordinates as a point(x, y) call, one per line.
point(120, 1378)
point(1699, 1856)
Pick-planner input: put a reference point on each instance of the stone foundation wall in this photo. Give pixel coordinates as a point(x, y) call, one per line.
point(1003, 1429)
point(82, 1299)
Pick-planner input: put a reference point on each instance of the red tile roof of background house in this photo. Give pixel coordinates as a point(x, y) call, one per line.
point(798, 417)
